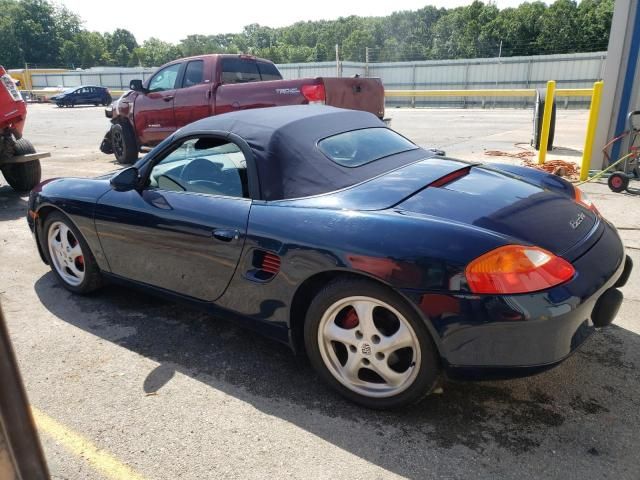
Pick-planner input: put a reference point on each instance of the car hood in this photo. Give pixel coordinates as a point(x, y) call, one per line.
point(514, 208)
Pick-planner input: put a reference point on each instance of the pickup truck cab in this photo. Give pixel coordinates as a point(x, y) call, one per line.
point(189, 89)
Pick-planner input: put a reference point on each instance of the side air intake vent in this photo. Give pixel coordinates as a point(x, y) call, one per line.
point(266, 265)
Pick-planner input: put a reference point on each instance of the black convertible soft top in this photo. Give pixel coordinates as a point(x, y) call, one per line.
point(284, 143)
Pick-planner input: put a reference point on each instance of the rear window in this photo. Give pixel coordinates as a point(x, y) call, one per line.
point(268, 71)
point(359, 147)
point(239, 70)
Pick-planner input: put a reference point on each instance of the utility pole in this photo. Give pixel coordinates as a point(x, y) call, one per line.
point(338, 61)
point(500, 51)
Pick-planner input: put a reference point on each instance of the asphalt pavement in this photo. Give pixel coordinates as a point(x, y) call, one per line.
point(126, 385)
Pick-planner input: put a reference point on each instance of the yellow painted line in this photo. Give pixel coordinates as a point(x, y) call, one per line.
point(99, 459)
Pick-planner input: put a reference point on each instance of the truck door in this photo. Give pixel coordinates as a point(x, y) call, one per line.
point(153, 111)
point(230, 95)
point(193, 99)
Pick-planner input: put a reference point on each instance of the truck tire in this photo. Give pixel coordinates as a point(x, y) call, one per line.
point(538, 113)
point(23, 176)
point(123, 142)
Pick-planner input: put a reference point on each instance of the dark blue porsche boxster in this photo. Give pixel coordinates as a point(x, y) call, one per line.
point(388, 264)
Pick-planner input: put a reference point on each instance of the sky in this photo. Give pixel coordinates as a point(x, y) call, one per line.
point(173, 21)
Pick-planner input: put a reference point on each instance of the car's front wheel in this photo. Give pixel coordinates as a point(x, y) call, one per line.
point(69, 255)
point(367, 343)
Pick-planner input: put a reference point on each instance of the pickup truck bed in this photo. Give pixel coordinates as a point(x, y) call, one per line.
point(189, 89)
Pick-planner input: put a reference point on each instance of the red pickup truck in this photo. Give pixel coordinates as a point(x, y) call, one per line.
point(189, 89)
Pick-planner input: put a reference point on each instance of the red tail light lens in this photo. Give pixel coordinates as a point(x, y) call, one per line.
point(313, 93)
point(584, 200)
point(517, 269)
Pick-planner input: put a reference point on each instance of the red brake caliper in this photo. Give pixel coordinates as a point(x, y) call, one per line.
point(350, 319)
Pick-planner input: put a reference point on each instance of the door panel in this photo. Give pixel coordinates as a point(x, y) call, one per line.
point(173, 240)
point(194, 99)
point(154, 117)
point(153, 113)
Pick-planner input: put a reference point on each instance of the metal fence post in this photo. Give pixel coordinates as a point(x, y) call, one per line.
point(413, 86)
point(546, 121)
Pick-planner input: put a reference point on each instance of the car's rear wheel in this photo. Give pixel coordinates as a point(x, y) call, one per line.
point(367, 343)
point(123, 142)
point(107, 101)
point(69, 255)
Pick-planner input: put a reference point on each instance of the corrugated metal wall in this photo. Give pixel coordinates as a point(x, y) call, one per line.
point(569, 70)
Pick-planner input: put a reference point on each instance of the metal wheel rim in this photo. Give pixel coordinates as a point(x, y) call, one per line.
point(365, 351)
point(66, 253)
point(616, 181)
point(117, 143)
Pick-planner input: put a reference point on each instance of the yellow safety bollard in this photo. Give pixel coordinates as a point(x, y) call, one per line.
point(592, 125)
point(546, 121)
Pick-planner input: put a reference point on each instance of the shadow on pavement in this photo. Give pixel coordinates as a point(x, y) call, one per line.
point(485, 420)
point(12, 204)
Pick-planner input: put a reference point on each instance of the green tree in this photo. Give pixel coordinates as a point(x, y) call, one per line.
point(559, 29)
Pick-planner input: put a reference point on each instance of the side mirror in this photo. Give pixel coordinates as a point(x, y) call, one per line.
point(136, 85)
point(125, 180)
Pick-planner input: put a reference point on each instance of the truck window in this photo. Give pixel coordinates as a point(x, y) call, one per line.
point(194, 73)
point(268, 71)
point(165, 79)
point(239, 70)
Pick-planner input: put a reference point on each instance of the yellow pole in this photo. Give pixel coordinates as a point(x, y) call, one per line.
point(546, 121)
point(592, 125)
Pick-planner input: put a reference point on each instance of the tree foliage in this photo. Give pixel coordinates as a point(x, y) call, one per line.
point(42, 33)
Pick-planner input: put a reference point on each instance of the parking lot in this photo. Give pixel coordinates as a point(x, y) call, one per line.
point(126, 385)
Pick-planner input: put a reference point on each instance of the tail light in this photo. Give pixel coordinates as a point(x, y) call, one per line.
point(517, 269)
point(9, 86)
point(314, 93)
point(584, 200)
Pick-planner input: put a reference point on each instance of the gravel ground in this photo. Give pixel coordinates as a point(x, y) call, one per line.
point(174, 393)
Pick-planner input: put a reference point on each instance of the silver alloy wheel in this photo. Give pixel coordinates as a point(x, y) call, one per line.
point(369, 346)
point(66, 253)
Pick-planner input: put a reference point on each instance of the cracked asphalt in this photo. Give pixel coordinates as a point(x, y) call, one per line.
point(174, 393)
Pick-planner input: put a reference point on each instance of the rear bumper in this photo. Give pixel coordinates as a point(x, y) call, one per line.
point(485, 336)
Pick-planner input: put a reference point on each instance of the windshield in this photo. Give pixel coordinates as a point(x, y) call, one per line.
point(69, 90)
point(359, 147)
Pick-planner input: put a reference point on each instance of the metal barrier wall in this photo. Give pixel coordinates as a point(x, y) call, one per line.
point(578, 70)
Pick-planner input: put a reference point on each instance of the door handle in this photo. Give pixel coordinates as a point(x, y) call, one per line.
point(168, 98)
point(226, 235)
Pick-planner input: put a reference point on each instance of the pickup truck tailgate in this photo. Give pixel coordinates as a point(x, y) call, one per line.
point(365, 94)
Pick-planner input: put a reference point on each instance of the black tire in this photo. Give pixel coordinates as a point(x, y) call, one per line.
point(23, 176)
point(123, 141)
point(538, 113)
point(618, 182)
point(93, 279)
point(59, 105)
point(107, 101)
point(427, 377)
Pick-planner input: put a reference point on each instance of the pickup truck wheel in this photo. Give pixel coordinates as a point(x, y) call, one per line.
point(23, 176)
point(124, 144)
